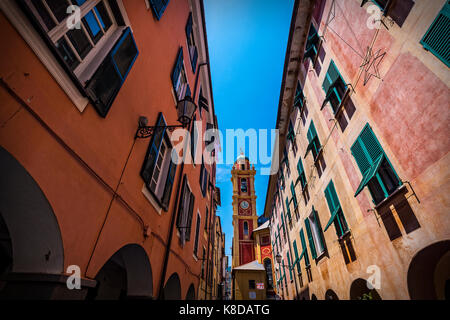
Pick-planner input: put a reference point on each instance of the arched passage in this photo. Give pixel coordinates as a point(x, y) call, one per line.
point(191, 293)
point(360, 291)
point(172, 289)
point(126, 275)
point(429, 273)
point(331, 295)
point(28, 224)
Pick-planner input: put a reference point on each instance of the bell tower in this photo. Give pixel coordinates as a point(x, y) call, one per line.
point(244, 211)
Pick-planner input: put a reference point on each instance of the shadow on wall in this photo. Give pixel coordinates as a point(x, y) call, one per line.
point(404, 212)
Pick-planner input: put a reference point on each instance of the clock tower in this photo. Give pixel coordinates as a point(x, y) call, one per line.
point(244, 211)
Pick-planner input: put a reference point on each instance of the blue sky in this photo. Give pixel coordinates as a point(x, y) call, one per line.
point(247, 46)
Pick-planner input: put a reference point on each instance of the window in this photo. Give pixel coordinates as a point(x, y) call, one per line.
point(297, 258)
point(194, 138)
point(377, 172)
point(301, 174)
point(437, 38)
point(206, 219)
point(299, 98)
point(244, 185)
point(192, 48)
point(314, 233)
point(197, 231)
point(289, 266)
point(251, 284)
point(158, 170)
point(397, 10)
point(294, 196)
point(334, 87)
point(99, 55)
point(203, 103)
point(185, 209)
point(304, 249)
point(265, 241)
point(268, 267)
point(179, 78)
point(158, 7)
point(337, 215)
point(288, 210)
point(313, 139)
point(204, 178)
point(245, 228)
point(203, 262)
point(291, 137)
point(312, 44)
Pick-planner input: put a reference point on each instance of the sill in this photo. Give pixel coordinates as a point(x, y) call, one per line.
point(392, 195)
point(305, 187)
point(151, 198)
point(85, 71)
point(318, 155)
point(320, 256)
point(345, 235)
point(343, 102)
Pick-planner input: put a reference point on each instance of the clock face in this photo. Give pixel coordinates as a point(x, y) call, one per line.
point(244, 204)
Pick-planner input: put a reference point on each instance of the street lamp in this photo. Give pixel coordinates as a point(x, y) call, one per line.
point(185, 110)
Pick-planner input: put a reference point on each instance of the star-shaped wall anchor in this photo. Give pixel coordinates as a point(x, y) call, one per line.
point(371, 63)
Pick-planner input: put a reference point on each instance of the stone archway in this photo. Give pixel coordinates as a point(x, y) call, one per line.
point(126, 275)
point(28, 216)
point(172, 289)
point(31, 247)
point(429, 273)
point(191, 293)
point(331, 295)
point(360, 291)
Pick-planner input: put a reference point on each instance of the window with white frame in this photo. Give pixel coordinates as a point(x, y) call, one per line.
point(192, 48)
point(197, 232)
point(159, 170)
point(99, 52)
point(185, 210)
point(316, 231)
point(179, 78)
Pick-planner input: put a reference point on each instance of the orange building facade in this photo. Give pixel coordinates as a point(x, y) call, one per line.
point(79, 191)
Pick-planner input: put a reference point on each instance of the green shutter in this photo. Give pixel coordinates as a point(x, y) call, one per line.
point(312, 246)
point(304, 251)
point(312, 139)
point(333, 202)
point(288, 210)
point(297, 258)
point(321, 237)
point(300, 168)
point(437, 38)
point(368, 155)
point(330, 77)
point(295, 249)
point(289, 265)
point(298, 99)
point(294, 197)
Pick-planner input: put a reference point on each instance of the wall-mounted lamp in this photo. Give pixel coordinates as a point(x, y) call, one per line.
point(185, 110)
